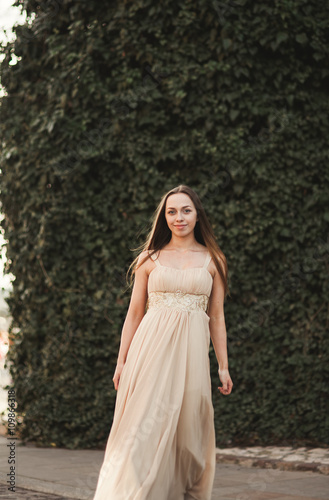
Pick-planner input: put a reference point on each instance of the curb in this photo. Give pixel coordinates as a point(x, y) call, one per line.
point(270, 463)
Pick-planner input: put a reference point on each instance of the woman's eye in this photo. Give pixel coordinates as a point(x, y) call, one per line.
point(186, 210)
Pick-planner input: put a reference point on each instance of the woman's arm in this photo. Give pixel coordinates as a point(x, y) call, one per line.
point(136, 309)
point(218, 331)
point(217, 321)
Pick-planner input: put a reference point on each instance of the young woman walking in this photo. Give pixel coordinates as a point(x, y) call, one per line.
point(162, 441)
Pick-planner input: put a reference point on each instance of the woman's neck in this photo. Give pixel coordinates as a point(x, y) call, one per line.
point(182, 244)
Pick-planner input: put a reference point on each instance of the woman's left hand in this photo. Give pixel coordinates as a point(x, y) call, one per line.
point(226, 380)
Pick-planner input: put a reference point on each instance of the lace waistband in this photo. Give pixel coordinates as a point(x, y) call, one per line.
point(178, 300)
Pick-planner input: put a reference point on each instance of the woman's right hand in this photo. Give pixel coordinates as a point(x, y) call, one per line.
point(117, 374)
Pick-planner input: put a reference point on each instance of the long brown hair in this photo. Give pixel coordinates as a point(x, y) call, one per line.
point(160, 235)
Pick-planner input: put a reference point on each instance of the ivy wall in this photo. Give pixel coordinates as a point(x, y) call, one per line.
point(111, 104)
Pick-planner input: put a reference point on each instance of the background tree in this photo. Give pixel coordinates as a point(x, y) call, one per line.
point(109, 106)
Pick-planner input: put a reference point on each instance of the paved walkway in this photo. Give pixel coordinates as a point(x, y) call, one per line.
point(44, 472)
point(283, 458)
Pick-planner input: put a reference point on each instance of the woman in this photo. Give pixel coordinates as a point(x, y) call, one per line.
point(162, 441)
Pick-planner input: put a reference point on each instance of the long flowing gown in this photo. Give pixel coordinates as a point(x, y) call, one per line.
point(162, 441)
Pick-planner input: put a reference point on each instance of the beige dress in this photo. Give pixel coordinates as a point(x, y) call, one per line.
point(162, 440)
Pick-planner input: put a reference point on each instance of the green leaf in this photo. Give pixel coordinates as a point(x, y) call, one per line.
point(302, 38)
point(281, 37)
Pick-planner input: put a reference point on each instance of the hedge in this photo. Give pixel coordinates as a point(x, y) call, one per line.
point(109, 106)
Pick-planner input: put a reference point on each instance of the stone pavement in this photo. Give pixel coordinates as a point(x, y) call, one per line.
point(23, 494)
point(277, 457)
point(45, 472)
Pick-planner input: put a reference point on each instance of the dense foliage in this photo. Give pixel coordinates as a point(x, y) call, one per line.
point(110, 105)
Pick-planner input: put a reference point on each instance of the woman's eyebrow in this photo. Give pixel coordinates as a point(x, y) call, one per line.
point(182, 207)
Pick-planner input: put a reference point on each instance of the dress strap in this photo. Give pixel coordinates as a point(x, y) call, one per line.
point(208, 259)
point(155, 260)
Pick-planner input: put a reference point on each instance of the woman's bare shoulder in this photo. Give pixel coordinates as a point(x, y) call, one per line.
point(213, 268)
point(142, 256)
point(145, 262)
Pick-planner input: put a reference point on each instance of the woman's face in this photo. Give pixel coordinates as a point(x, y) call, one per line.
point(181, 214)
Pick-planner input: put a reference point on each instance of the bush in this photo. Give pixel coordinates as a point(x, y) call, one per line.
point(108, 107)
